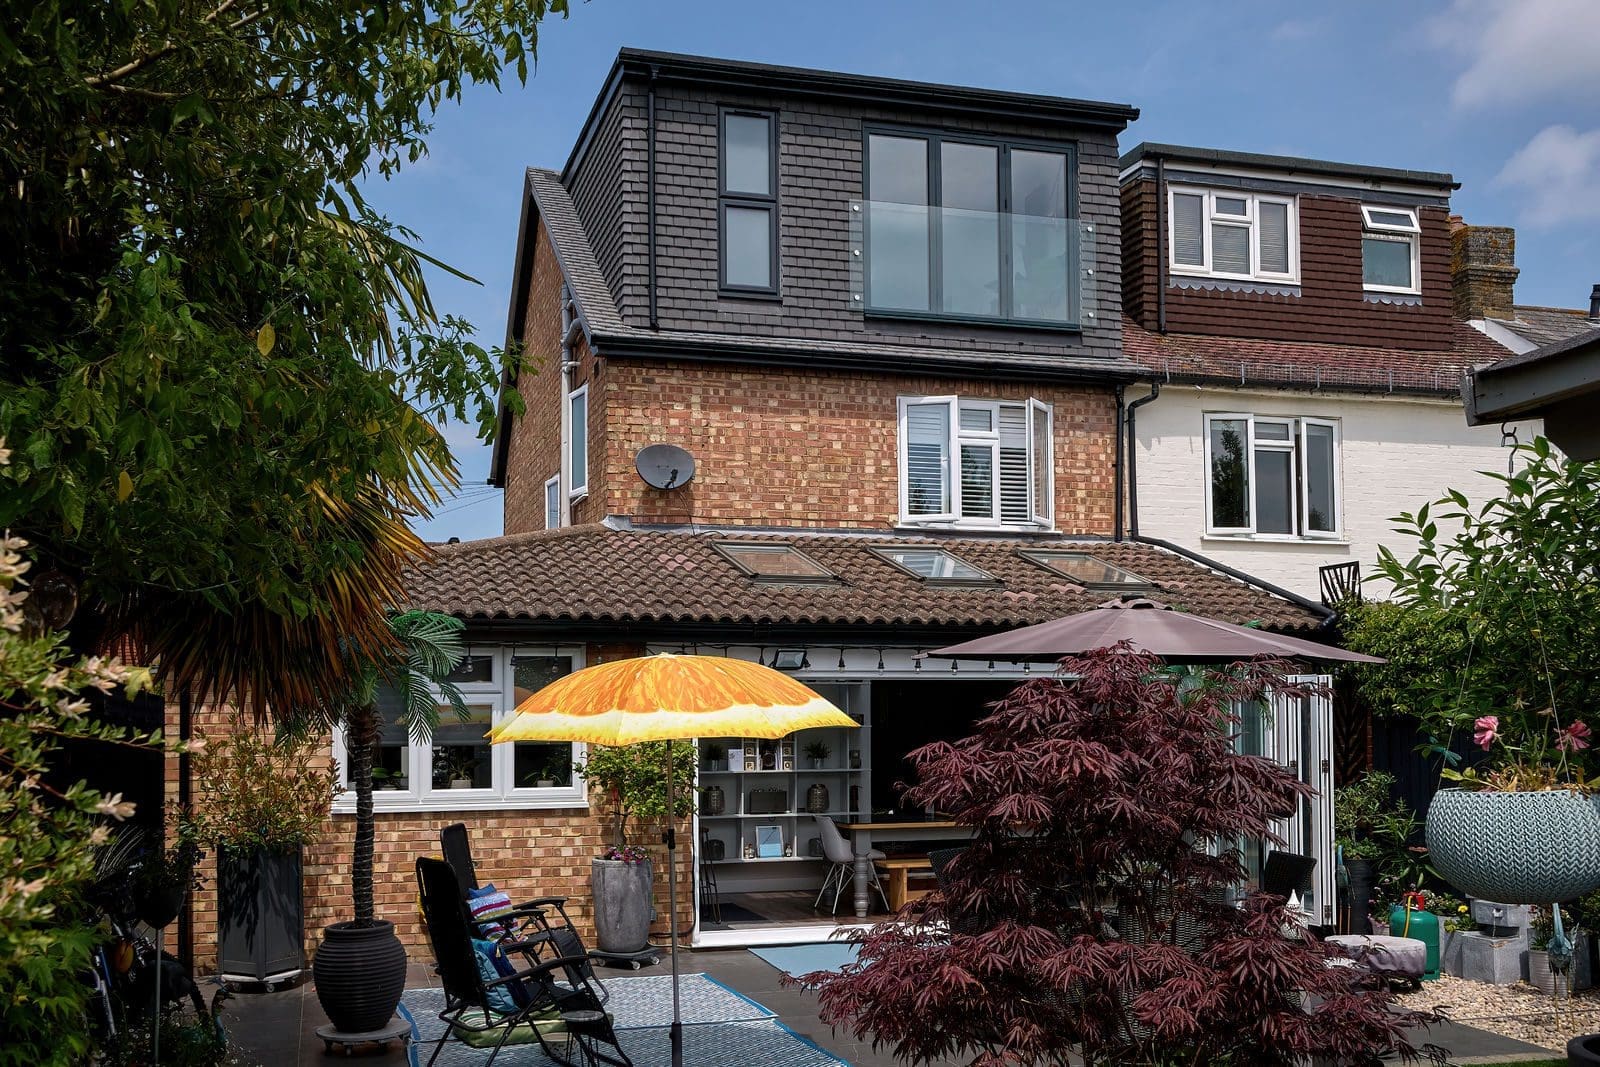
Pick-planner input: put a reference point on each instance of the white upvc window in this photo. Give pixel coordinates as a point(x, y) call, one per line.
point(1391, 249)
point(1230, 233)
point(456, 768)
point(552, 503)
point(1272, 477)
point(975, 462)
point(578, 442)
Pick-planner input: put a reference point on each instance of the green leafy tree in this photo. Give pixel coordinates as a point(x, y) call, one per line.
point(426, 647)
point(48, 834)
point(634, 781)
point(1497, 614)
point(221, 368)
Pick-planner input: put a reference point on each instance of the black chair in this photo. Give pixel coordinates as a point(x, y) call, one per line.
point(1287, 872)
point(710, 896)
point(570, 1011)
point(529, 927)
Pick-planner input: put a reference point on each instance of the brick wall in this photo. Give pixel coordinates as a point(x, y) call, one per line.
point(1331, 306)
point(527, 853)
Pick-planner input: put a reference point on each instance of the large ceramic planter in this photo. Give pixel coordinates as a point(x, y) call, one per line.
point(623, 905)
point(260, 914)
point(1518, 848)
point(360, 973)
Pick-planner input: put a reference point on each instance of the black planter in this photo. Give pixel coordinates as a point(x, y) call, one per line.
point(260, 914)
point(158, 907)
point(360, 973)
point(1362, 877)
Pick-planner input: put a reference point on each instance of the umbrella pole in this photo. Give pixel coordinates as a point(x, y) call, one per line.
point(671, 838)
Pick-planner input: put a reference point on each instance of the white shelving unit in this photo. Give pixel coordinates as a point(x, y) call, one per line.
point(736, 826)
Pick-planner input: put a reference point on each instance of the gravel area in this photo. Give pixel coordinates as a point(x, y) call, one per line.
point(1516, 1011)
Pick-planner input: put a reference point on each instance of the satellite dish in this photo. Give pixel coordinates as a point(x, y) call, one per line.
point(664, 466)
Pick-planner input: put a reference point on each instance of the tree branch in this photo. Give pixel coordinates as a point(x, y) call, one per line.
point(133, 66)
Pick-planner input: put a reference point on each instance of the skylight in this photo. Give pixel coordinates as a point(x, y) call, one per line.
point(774, 562)
point(1088, 570)
point(935, 565)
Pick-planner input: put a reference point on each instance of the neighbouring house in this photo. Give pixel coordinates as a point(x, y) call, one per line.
point(1305, 326)
point(828, 370)
point(1558, 384)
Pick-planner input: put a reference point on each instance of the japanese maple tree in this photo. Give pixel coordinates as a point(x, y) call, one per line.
point(1113, 791)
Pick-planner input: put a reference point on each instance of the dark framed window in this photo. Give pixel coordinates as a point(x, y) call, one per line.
point(747, 202)
point(971, 228)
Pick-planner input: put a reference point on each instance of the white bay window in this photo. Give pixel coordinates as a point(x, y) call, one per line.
point(975, 462)
point(457, 768)
point(1272, 476)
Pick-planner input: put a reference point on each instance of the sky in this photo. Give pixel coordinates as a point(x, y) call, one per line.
point(1502, 94)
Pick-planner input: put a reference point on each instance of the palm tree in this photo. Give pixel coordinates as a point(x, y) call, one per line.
point(427, 647)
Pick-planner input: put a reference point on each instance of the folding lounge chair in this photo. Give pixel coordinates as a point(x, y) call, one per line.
point(539, 928)
point(567, 1020)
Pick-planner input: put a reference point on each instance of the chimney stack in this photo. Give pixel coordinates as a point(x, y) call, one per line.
point(1594, 304)
point(1482, 270)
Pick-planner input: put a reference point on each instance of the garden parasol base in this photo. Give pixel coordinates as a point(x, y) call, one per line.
point(398, 1029)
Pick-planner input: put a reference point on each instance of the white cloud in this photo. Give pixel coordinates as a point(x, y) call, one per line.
point(1303, 29)
point(1557, 175)
point(1517, 51)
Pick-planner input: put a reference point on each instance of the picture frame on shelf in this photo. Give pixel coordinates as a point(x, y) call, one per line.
point(769, 842)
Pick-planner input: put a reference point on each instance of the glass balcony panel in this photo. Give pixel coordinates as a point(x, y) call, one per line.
point(898, 240)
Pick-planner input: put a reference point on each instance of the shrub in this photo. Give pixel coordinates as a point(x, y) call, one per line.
point(1119, 792)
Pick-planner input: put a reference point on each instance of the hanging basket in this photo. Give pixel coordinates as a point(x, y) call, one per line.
point(1516, 848)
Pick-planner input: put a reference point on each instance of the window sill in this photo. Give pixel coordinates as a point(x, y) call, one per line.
point(577, 495)
point(770, 296)
point(911, 526)
point(1275, 539)
point(346, 803)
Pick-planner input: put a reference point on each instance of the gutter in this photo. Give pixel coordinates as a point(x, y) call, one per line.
point(1321, 610)
point(1117, 467)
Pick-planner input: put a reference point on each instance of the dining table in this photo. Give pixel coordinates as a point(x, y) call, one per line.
point(864, 832)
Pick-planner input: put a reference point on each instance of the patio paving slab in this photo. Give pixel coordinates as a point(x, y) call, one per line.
point(279, 1029)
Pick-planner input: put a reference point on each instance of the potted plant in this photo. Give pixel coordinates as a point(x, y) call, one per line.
point(456, 767)
point(1357, 810)
point(818, 752)
point(633, 779)
point(163, 880)
point(360, 966)
point(259, 801)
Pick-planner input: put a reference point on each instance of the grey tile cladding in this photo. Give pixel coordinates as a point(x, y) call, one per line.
point(820, 168)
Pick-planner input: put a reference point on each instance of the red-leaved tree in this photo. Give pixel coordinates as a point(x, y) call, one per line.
point(1090, 913)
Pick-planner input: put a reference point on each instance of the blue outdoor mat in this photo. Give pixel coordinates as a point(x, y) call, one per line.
point(803, 959)
point(722, 1028)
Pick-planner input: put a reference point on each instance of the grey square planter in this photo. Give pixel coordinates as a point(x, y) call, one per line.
point(260, 915)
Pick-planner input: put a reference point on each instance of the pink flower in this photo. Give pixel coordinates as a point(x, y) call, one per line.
point(1574, 738)
point(1488, 731)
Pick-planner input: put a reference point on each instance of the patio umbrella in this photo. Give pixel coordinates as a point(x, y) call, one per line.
point(668, 698)
point(1149, 627)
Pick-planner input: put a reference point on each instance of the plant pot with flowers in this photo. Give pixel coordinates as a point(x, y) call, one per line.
point(259, 801)
point(633, 779)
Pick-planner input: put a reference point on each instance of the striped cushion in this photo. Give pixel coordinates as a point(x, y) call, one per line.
point(486, 907)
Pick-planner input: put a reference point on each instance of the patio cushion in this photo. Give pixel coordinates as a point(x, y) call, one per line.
point(486, 903)
point(500, 998)
point(548, 1022)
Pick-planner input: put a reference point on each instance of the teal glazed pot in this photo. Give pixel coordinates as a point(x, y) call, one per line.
point(1515, 848)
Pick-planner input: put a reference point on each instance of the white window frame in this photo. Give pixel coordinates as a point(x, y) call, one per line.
point(1209, 215)
point(578, 480)
point(1301, 494)
point(552, 501)
point(1033, 410)
point(503, 794)
point(1387, 231)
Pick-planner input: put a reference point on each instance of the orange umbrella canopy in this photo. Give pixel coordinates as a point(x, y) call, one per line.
point(667, 697)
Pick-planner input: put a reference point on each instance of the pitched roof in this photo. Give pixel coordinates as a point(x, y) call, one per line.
point(1545, 326)
point(1298, 364)
point(599, 573)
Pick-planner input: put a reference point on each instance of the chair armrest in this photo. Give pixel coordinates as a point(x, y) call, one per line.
point(543, 902)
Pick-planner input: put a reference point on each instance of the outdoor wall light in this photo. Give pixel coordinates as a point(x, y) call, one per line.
point(880, 659)
point(841, 659)
point(790, 659)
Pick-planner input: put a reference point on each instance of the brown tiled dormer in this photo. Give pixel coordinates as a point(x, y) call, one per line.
point(1241, 245)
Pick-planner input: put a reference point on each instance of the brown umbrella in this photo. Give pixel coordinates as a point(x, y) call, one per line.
point(1148, 627)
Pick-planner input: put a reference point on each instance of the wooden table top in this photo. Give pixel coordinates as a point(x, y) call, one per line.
point(924, 824)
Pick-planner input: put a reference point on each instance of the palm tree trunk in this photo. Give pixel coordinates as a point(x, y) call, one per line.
point(361, 732)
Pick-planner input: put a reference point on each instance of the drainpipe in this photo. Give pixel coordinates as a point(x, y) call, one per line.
point(1116, 469)
point(1132, 449)
point(1161, 263)
point(650, 188)
point(569, 325)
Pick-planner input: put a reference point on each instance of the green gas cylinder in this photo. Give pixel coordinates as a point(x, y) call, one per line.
point(1411, 919)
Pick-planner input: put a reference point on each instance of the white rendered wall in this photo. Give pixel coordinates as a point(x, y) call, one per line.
point(1395, 455)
